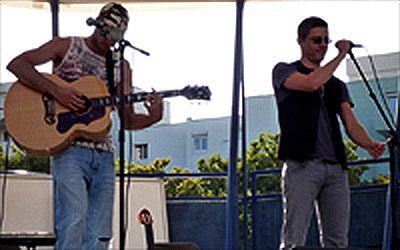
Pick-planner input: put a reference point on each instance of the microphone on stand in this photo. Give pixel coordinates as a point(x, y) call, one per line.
point(92, 22)
point(353, 45)
point(111, 32)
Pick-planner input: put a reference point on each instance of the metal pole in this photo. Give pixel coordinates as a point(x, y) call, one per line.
point(244, 164)
point(54, 16)
point(122, 153)
point(232, 224)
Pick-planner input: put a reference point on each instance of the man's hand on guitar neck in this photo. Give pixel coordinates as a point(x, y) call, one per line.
point(154, 106)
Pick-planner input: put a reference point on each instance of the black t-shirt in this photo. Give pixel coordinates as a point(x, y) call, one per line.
point(324, 148)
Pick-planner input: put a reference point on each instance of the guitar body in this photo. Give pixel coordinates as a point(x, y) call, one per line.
point(42, 127)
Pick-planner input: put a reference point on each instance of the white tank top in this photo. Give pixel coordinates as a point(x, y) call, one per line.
point(80, 61)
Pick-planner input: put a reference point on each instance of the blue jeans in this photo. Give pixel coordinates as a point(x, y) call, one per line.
point(84, 184)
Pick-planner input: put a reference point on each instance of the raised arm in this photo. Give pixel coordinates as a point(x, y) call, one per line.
point(317, 78)
point(153, 104)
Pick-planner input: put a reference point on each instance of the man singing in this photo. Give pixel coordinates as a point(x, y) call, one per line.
point(310, 100)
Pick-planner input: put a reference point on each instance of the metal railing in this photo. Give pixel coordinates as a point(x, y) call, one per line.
point(256, 174)
point(252, 200)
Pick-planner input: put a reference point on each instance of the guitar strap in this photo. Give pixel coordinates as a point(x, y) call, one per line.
point(110, 62)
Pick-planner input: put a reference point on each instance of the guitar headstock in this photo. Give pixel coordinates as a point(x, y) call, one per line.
point(197, 93)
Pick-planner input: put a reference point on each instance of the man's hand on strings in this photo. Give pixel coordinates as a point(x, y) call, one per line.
point(154, 106)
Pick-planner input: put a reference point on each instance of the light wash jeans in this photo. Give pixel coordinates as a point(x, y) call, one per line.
point(84, 184)
point(310, 184)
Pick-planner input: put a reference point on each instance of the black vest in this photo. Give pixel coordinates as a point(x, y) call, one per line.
point(298, 118)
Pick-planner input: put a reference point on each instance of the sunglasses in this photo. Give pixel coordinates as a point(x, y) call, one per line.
point(318, 40)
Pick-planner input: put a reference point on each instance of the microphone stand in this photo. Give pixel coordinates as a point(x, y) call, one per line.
point(392, 142)
point(122, 44)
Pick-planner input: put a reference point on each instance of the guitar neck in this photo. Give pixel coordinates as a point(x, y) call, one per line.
point(131, 98)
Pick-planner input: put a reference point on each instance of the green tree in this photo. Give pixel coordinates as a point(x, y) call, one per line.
point(355, 173)
point(213, 187)
point(19, 160)
point(174, 187)
point(157, 167)
point(183, 187)
point(263, 155)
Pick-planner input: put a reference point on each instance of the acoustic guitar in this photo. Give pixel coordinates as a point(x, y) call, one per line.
point(42, 127)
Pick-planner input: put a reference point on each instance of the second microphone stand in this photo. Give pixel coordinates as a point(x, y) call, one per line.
point(392, 144)
point(122, 101)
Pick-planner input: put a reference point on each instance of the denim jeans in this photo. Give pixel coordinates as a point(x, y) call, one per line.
point(322, 185)
point(84, 184)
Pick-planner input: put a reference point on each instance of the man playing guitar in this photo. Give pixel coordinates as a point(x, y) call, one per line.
point(84, 172)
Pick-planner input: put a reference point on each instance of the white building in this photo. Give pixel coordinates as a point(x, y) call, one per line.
point(186, 142)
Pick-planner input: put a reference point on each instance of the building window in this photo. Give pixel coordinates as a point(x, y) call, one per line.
point(141, 151)
point(200, 142)
point(393, 102)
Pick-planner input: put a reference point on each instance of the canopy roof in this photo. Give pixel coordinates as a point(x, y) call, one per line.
point(132, 5)
point(165, 3)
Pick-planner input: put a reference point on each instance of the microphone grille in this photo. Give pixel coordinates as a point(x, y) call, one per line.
point(90, 21)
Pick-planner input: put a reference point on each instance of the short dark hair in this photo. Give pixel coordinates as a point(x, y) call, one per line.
point(307, 24)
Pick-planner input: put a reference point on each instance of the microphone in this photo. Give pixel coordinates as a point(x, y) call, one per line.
point(353, 45)
point(92, 22)
point(112, 32)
